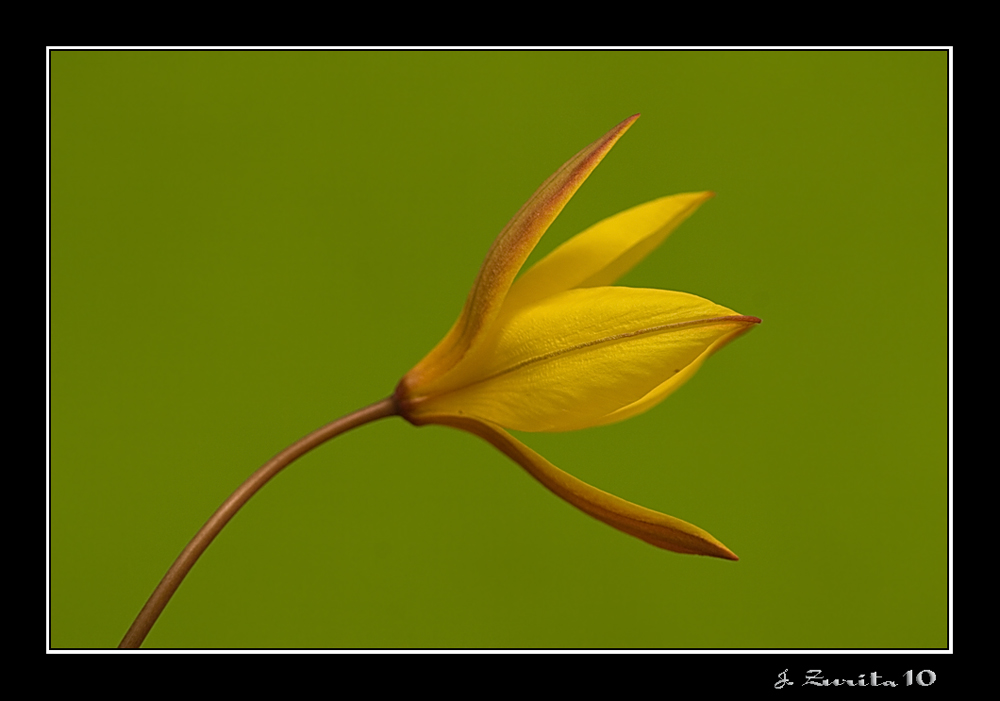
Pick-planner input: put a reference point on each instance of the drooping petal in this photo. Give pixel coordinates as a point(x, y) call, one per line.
point(651, 526)
point(508, 253)
point(606, 251)
point(569, 361)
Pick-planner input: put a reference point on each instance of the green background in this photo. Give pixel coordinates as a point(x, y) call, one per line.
point(246, 245)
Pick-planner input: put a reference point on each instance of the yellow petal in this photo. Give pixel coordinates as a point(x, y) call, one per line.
point(668, 387)
point(569, 361)
point(508, 253)
point(606, 251)
point(651, 526)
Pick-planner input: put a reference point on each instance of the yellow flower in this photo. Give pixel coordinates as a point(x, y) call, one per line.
point(559, 349)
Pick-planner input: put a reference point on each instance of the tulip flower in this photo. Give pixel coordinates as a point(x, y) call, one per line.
point(557, 349)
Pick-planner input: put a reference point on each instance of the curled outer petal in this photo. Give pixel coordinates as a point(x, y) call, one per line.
point(651, 526)
point(508, 253)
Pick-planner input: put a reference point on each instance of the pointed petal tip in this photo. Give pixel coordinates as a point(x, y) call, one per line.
point(739, 318)
point(604, 144)
point(599, 149)
point(688, 539)
point(727, 554)
point(713, 548)
point(626, 123)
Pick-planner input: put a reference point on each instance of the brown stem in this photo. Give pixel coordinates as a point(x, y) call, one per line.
point(185, 561)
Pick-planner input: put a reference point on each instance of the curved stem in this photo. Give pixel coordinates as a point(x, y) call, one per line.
point(185, 561)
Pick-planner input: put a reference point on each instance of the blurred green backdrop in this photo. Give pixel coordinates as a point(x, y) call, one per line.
point(246, 245)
